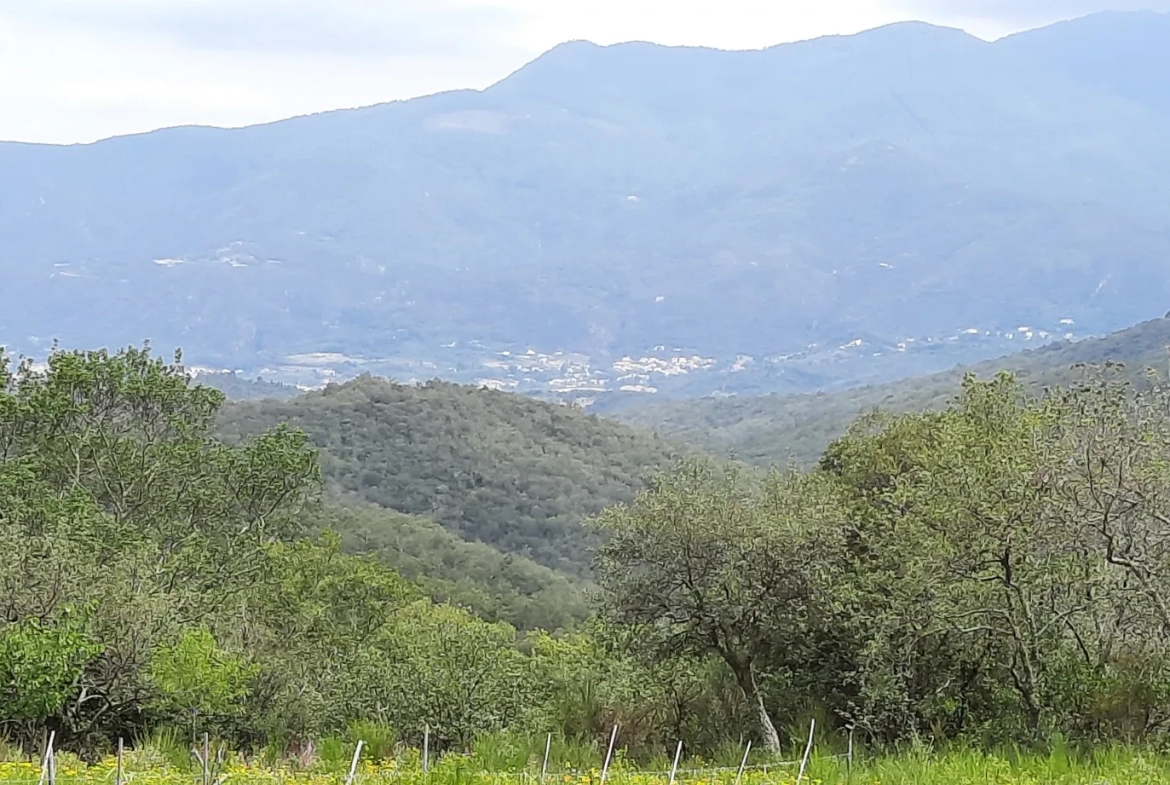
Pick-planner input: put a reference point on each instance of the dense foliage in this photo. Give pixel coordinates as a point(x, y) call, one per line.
point(997, 570)
point(514, 473)
point(993, 572)
point(153, 576)
point(495, 586)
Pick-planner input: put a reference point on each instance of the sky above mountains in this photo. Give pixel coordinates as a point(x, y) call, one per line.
point(88, 69)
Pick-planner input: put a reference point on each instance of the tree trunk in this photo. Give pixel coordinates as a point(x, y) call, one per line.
point(746, 677)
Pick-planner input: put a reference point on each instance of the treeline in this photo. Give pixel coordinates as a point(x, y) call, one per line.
point(997, 571)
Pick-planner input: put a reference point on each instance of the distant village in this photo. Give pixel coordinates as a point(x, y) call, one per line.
point(577, 377)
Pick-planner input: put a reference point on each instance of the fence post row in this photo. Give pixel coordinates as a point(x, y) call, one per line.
point(48, 774)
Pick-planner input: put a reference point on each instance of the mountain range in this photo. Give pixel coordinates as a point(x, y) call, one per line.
point(632, 217)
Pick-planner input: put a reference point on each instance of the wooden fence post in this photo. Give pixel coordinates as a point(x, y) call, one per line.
point(743, 763)
point(47, 763)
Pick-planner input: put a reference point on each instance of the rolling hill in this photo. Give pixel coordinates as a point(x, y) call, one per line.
point(778, 429)
point(510, 472)
point(806, 216)
point(495, 586)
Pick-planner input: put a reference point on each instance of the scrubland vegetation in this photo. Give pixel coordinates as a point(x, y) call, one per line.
point(964, 591)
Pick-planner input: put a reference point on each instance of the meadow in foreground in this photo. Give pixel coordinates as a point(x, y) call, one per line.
point(1106, 767)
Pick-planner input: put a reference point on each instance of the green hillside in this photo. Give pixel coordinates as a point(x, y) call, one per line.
point(504, 470)
point(493, 585)
point(779, 428)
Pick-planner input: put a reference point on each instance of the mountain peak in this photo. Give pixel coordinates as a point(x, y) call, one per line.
point(577, 61)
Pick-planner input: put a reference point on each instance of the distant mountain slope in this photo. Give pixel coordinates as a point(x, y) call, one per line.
point(762, 210)
point(1119, 53)
point(775, 428)
point(493, 585)
point(240, 388)
point(501, 469)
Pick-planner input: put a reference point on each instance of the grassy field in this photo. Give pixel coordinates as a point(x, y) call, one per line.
point(1105, 767)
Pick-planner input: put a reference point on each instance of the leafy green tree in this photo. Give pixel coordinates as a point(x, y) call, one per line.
point(438, 666)
point(195, 677)
point(41, 667)
point(1008, 563)
point(117, 497)
point(709, 561)
point(317, 625)
point(597, 677)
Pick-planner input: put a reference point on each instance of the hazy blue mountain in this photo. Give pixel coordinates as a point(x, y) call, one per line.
point(1119, 53)
point(758, 212)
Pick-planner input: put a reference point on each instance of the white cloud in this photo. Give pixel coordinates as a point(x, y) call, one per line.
point(312, 27)
point(86, 69)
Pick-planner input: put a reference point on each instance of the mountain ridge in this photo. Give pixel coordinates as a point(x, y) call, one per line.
point(872, 186)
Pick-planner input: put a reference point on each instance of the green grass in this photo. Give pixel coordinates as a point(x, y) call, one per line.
point(507, 760)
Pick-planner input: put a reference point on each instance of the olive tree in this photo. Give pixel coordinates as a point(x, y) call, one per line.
point(714, 561)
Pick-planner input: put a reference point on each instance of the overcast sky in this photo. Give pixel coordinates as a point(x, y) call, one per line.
point(80, 70)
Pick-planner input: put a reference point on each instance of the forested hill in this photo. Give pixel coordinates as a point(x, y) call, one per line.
point(777, 428)
point(505, 470)
point(494, 586)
